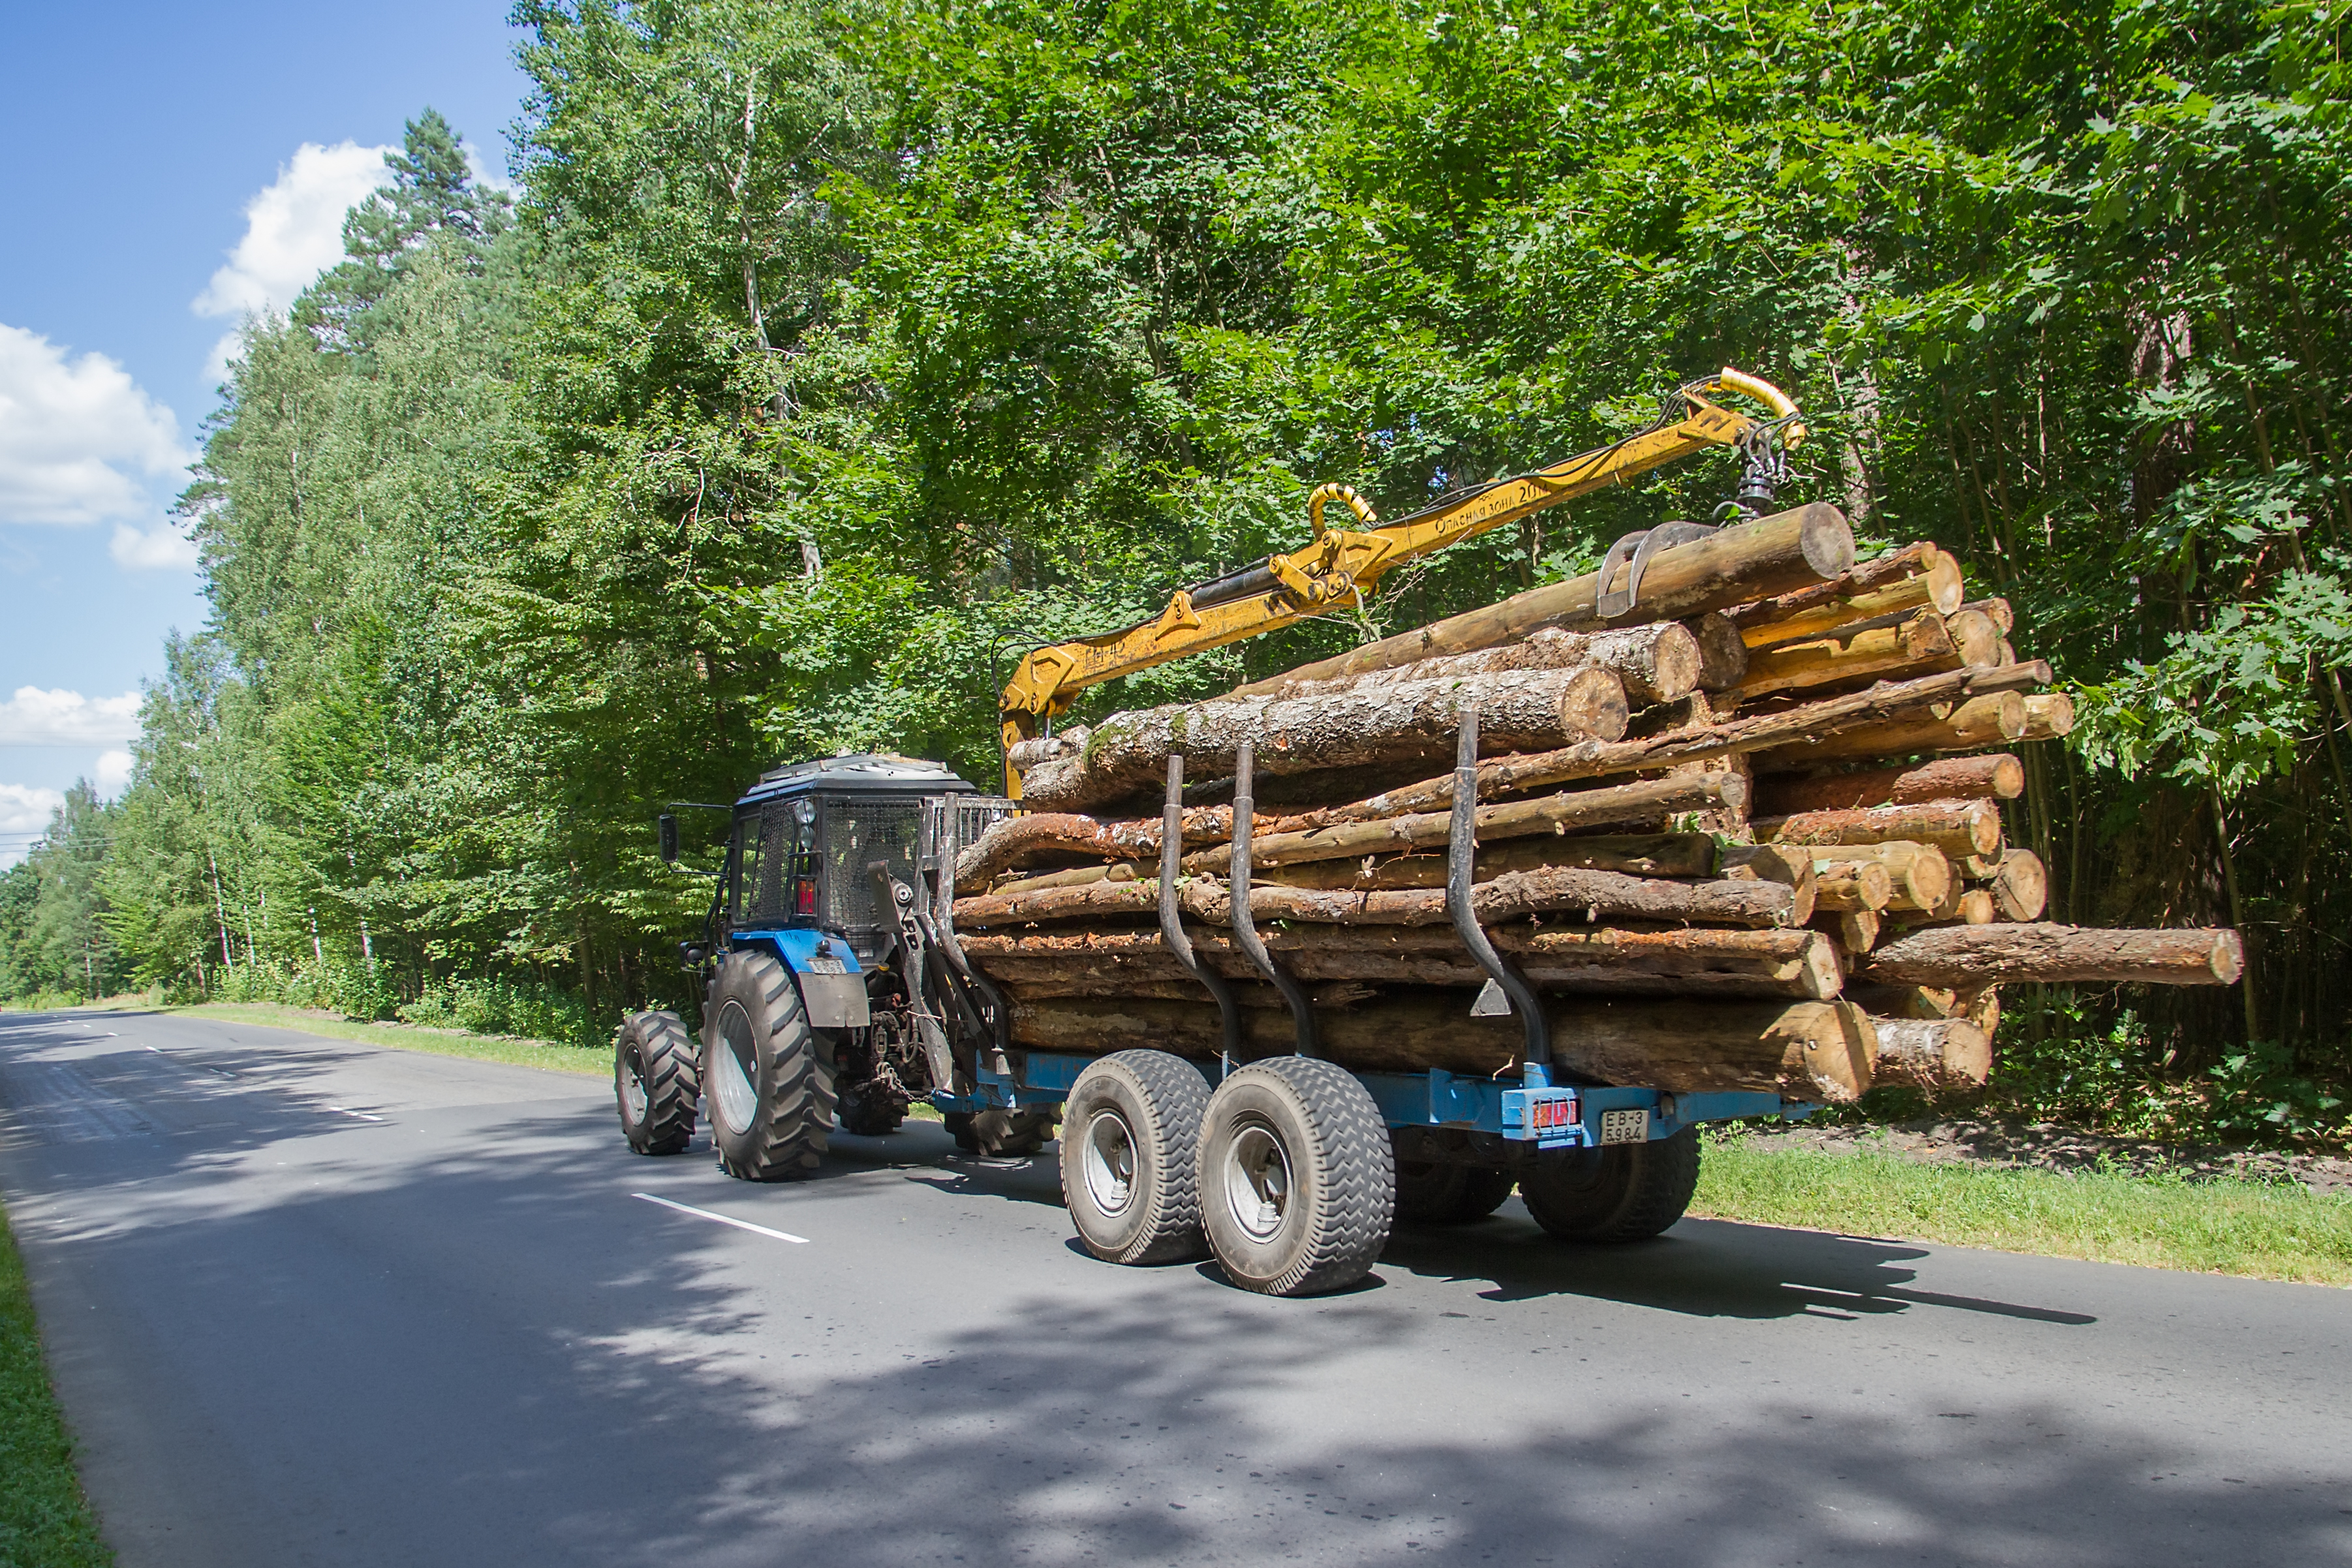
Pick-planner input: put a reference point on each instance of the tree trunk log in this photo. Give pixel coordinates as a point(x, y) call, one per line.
point(1941, 573)
point(1997, 611)
point(1682, 855)
point(2020, 885)
point(1644, 801)
point(1660, 663)
point(1904, 1001)
point(1842, 885)
point(1992, 720)
point(1935, 1054)
point(1977, 907)
point(1864, 711)
point(1843, 615)
point(1922, 873)
point(1997, 776)
point(2054, 955)
point(1959, 828)
point(1077, 876)
point(1015, 841)
point(1722, 652)
point(1408, 721)
point(1812, 1051)
point(1854, 930)
point(1772, 555)
point(2048, 715)
point(1918, 643)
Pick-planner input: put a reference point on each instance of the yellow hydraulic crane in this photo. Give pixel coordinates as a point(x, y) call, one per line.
point(1340, 567)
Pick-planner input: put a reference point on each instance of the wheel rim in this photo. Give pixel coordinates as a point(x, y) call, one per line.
point(1109, 1161)
point(737, 1061)
point(1257, 1180)
point(634, 1094)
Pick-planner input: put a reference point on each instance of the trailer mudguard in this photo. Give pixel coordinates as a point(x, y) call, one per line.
point(833, 986)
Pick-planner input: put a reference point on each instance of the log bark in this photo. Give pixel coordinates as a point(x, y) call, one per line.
point(1990, 720)
point(1880, 607)
point(1722, 652)
point(1772, 555)
point(1940, 571)
point(1769, 734)
point(1922, 873)
point(2051, 955)
point(1842, 885)
point(1918, 643)
point(1817, 1052)
point(1644, 801)
point(1077, 876)
point(1684, 855)
point(1998, 776)
point(2048, 715)
point(2020, 885)
point(1783, 864)
point(1407, 721)
point(1980, 1007)
point(1959, 828)
point(1933, 1055)
point(1784, 963)
point(1544, 649)
point(1016, 840)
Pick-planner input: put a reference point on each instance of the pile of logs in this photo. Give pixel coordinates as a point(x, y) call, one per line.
point(1748, 836)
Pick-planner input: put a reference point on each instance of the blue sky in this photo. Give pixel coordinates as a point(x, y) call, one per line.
point(171, 165)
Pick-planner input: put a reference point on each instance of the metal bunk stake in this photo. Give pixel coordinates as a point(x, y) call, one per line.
point(1461, 872)
point(1237, 887)
point(1171, 923)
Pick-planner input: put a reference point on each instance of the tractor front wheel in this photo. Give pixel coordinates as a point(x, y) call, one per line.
point(657, 1081)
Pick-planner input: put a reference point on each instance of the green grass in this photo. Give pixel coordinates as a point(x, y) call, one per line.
point(409, 1037)
point(2263, 1231)
point(45, 1521)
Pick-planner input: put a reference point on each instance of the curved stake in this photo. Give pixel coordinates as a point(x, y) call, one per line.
point(1237, 887)
point(1461, 870)
point(1171, 923)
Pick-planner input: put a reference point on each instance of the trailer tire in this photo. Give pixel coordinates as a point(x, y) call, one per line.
point(768, 1076)
point(1001, 1133)
point(1130, 1132)
point(1297, 1177)
point(1450, 1195)
point(1622, 1192)
point(656, 1081)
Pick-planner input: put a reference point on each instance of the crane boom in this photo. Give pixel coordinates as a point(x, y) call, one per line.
point(1339, 567)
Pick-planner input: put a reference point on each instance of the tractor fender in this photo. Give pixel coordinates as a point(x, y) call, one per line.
point(832, 984)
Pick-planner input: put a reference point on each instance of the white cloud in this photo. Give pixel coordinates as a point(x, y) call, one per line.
point(162, 547)
point(24, 816)
point(113, 773)
point(77, 435)
point(38, 717)
point(293, 232)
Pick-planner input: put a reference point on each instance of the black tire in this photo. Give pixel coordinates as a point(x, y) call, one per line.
point(870, 1115)
point(1003, 1134)
point(768, 1076)
point(1449, 1195)
point(1297, 1178)
point(1130, 1130)
point(657, 1081)
point(1620, 1192)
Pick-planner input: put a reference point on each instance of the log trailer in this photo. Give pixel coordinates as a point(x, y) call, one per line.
point(836, 987)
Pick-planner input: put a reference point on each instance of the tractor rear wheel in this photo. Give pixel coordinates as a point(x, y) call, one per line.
point(657, 1081)
point(1297, 1177)
point(768, 1076)
point(1129, 1134)
point(1620, 1192)
point(1449, 1195)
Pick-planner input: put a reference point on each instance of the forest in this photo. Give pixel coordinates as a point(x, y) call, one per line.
point(825, 356)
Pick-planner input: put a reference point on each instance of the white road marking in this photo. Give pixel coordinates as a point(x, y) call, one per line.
point(361, 1115)
point(722, 1219)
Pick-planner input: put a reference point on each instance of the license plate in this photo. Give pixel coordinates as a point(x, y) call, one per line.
point(1624, 1126)
point(827, 966)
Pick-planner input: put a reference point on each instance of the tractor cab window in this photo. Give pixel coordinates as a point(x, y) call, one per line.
point(776, 862)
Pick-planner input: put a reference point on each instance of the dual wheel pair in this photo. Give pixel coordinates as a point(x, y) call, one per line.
point(1286, 1175)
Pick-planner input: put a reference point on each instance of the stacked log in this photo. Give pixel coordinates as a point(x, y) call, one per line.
point(1749, 835)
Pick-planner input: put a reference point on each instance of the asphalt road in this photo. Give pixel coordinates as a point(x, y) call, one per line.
point(313, 1302)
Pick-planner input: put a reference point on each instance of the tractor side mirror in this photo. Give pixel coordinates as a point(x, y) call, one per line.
point(666, 825)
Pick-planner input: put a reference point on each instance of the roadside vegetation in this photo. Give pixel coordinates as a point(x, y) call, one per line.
point(2262, 1230)
point(825, 352)
point(45, 1521)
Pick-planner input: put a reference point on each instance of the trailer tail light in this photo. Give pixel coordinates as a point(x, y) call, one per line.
point(1549, 1118)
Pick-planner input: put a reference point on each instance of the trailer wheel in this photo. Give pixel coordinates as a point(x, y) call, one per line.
point(1450, 1195)
point(657, 1081)
point(768, 1076)
point(1622, 1192)
point(1130, 1130)
point(1297, 1178)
